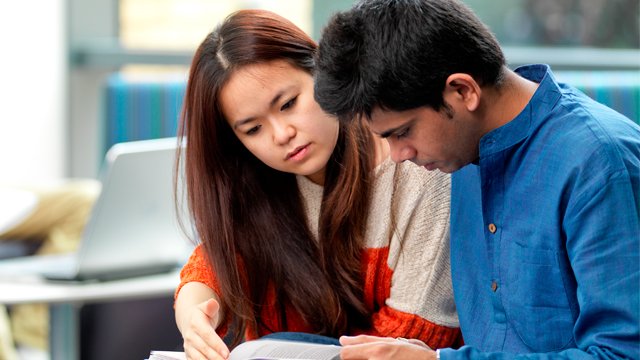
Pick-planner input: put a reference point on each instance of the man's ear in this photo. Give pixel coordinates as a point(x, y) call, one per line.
point(463, 90)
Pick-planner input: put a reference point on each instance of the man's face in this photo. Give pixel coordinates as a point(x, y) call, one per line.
point(446, 140)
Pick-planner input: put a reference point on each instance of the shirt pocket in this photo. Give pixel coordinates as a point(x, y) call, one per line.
point(535, 299)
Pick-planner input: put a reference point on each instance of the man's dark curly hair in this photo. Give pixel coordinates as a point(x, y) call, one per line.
point(397, 55)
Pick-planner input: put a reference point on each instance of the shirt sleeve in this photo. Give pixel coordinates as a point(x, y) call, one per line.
point(197, 269)
point(603, 246)
point(388, 322)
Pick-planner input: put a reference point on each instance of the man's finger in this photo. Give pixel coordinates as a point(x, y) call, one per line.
point(356, 351)
point(419, 343)
point(363, 339)
point(386, 348)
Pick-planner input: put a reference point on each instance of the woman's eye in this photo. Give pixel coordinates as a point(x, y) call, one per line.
point(253, 130)
point(288, 104)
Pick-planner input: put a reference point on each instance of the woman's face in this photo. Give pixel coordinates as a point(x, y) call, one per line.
point(271, 109)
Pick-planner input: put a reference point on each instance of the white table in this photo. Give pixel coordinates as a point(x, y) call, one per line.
point(65, 299)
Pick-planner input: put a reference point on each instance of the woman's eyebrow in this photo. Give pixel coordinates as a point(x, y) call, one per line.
point(272, 103)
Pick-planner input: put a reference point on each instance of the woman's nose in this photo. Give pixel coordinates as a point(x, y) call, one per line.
point(283, 131)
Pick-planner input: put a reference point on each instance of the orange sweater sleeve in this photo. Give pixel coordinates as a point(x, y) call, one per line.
point(389, 322)
point(198, 269)
point(394, 323)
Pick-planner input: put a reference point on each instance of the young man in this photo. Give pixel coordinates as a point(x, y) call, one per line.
point(545, 186)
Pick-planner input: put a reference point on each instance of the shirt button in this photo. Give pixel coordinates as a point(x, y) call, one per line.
point(492, 228)
point(494, 286)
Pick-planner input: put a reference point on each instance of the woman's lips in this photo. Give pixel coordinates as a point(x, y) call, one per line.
point(298, 153)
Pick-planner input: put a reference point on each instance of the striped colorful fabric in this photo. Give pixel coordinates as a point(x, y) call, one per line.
point(619, 90)
point(142, 108)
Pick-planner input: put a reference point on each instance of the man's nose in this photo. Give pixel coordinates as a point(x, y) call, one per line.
point(400, 153)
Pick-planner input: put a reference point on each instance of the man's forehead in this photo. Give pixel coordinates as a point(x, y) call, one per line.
point(381, 118)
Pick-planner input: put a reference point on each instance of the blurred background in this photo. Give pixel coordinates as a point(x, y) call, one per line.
point(79, 75)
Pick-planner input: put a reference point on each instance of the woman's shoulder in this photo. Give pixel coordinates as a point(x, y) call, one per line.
point(409, 175)
point(411, 171)
point(405, 188)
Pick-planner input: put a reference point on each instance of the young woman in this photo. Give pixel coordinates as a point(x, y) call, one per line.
point(305, 224)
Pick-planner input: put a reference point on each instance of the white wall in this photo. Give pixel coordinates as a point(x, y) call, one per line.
point(33, 88)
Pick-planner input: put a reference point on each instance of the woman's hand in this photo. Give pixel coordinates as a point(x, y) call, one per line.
point(366, 347)
point(201, 342)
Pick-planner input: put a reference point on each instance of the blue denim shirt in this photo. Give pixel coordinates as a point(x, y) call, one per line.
point(544, 233)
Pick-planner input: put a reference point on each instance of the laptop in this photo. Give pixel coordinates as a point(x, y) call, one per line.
point(132, 230)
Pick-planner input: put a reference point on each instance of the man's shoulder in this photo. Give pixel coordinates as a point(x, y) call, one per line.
point(583, 128)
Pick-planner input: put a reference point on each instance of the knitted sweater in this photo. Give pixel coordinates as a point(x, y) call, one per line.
point(406, 269)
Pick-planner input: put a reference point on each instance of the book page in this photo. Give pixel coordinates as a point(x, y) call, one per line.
point(167, 355)
point(268, 349)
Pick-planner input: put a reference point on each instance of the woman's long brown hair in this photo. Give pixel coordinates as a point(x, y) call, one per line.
point(249, 217)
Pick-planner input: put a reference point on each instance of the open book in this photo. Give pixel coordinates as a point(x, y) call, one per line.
point(268, 349)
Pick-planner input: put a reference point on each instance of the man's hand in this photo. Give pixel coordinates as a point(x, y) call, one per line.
point(365, 347)
point(201, 342)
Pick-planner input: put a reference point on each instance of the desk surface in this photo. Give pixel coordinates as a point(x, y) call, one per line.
point(22, 291)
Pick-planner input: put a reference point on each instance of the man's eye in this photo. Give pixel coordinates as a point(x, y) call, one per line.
point(253, 130)
point(289, 104)
point(403, 133)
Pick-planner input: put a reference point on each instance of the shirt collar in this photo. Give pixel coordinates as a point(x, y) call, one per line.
point(516, 130)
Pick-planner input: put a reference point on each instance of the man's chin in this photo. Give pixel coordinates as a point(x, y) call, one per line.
point(430, 166)
point(445, 168)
